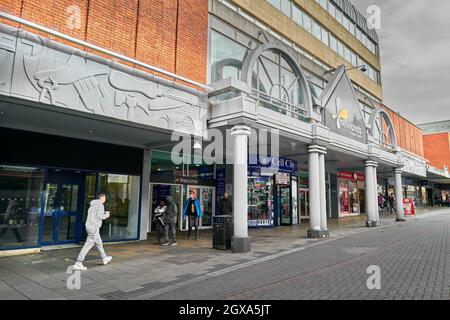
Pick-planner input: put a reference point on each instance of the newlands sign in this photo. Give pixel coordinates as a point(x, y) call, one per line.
point(342, 112)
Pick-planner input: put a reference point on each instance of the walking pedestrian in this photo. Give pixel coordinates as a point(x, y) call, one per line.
point(13, 213)
point(96, 215)
point(193, 211)
point(158, 218)
point(170, 222)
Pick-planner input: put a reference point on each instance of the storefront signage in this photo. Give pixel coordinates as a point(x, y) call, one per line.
point(277, 164)
point(115, 178)
point(343, 114)
point(185, 180)
point(408, 207)
point(282, 178)
point(259, 223)
point(354, 176)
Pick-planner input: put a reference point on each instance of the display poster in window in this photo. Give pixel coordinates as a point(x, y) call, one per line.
point(283, 178)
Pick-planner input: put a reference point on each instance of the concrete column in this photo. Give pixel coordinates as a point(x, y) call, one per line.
point(375, 178)
point(145, 194)
point(316, 190)
point(371, 202)
point(241, 240)
point(323, 197)
point(398, 195)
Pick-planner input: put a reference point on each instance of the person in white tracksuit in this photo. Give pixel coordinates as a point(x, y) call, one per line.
point(96, 215)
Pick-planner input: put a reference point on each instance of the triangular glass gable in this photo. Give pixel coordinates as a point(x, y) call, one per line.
point(342, 111)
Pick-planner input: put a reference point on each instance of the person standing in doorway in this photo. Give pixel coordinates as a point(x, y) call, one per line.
point(226, 206)
point(193, 211)
point(391, 201)
point(158, 218)
point(170, 222)
point(96, 215)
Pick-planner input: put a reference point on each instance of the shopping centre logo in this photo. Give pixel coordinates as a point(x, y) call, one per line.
point(343, 122)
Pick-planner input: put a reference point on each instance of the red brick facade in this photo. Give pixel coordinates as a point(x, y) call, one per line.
point(169, 34)
point(409, 136)
point(437, 149)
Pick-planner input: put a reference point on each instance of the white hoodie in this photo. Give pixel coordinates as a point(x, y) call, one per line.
point(96, 214)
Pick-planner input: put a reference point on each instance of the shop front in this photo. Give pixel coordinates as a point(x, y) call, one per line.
point(45, 200)
point(169, 179)
point(351, 193)
point(272, 192)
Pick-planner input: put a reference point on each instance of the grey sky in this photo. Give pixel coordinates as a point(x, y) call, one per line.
point(415, 56)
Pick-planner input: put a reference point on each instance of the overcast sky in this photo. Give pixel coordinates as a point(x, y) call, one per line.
point(415, 56)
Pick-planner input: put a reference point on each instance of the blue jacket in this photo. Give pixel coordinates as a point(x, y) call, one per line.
point(197, 208)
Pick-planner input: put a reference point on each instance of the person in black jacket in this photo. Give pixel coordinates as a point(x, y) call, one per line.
point(13, 212)
point(226, 205)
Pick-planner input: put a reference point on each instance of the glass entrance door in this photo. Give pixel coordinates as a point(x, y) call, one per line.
point(284, 205)
point(61, 214)
point(304, 204)
point(206, 196)
point(160, 193)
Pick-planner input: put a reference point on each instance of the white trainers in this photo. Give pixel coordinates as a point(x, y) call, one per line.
point(79, 267)
point(107, 260)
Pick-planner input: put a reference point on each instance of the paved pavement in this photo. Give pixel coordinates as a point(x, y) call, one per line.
point(413, 257)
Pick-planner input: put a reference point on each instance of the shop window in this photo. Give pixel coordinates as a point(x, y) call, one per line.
point(260, 202)
point(122, 192)
point(20, 205)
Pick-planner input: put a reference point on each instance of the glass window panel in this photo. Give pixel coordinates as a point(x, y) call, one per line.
point(275, 3)
point(333, 43)
point(332, 10)
point(346, 23)
point(354, 60)
point(325, 37)
point(347, 55)
point(340, 48)
point(352, 28)
point(316, 30)
point(297, 15)
point(226, 54)
point(286, 7)
point(339, 15)
point(307, 22)
point(122, 192)
point(20, 205)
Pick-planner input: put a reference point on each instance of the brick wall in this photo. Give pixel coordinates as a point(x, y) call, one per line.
point(409, 136)
point(437, 149)
point(169, 34)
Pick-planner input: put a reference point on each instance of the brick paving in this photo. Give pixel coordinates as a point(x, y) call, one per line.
point(283, 264)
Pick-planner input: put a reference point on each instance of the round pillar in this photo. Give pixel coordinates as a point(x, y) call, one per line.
point(398, 195)
point(371, 202)
point(240, 241)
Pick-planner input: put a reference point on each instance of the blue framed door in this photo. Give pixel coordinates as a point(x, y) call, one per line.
point(62, 209)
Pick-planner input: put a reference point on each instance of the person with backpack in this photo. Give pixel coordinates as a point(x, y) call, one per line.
point(158, 218)
point(170, 222)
